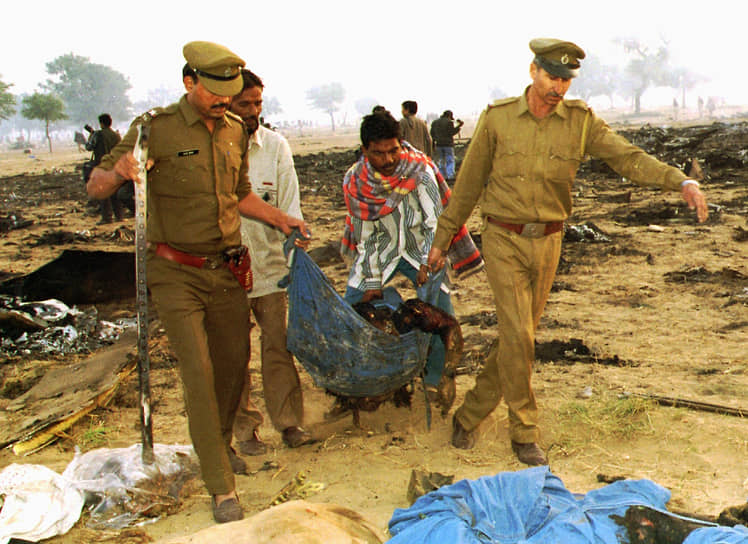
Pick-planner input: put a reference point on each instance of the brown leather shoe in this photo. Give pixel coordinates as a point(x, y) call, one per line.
point(253, 446)
point(529, 454)
point(294, 437)
point(461, 437)
point(238, 465)
point(228, 510)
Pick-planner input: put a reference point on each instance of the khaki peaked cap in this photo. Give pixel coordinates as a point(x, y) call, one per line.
point(557, 57)
point(217, 68)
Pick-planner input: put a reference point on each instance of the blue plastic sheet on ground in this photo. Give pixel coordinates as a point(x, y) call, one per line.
point(341, 351)
point(532, 506)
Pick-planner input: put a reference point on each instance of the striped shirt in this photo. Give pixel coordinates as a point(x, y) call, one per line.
point(405, 233)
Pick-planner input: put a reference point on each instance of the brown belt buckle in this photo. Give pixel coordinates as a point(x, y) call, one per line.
point(533, 230)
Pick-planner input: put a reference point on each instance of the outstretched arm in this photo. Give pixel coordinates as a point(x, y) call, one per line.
point(695, 199)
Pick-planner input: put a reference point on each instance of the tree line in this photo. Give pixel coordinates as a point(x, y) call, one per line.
point(78, 90)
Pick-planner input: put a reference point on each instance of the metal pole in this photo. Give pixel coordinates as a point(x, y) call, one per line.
point(141, 294)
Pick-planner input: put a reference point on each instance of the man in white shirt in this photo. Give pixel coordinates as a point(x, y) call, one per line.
point(273, 178)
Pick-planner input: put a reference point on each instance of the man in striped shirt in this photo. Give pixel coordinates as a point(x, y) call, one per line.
point(393, 200)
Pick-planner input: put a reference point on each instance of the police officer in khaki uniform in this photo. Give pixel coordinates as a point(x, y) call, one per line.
point(519, 168)
point(198, 186)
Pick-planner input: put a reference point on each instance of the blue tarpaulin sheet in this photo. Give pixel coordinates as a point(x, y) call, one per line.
point(341, 351)
point(532, 506)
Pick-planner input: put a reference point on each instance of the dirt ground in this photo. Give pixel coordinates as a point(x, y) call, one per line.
point(659, 309)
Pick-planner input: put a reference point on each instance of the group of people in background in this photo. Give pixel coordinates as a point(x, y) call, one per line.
point(219, 180)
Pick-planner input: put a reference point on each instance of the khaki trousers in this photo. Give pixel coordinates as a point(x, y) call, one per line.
point(520, 272)
point(206, 318)
point(280, 379)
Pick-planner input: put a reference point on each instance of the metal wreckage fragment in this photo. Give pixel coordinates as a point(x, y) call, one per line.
point(51, 327)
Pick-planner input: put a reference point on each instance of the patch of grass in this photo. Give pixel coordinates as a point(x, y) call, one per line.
point(96, 436)
point(602, 418)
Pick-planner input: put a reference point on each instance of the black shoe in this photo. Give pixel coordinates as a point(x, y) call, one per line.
point(529, 454)
point(253, 446)
point(294, 437)
point(238, 465)
point(461, 437)
point(229, 510)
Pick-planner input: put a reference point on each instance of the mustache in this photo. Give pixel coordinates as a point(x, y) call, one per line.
point(554, 93)
point(219, 105)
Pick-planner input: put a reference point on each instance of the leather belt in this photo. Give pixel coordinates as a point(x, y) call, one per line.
point(168, 252)
point(529, 230)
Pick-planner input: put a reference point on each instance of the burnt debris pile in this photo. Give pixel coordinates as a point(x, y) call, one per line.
point(50, 327)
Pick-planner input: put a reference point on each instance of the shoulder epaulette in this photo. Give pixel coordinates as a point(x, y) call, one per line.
point(502, 101)
point(577, 103)
point(155, 112)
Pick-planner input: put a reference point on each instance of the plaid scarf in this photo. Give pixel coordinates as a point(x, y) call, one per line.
point(370, 195)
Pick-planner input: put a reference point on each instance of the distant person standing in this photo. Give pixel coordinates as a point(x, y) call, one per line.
point(101, 142)
point(414, 130)
point(443, 132)
point(80, 140)
point(710, 106)
point(273, 178)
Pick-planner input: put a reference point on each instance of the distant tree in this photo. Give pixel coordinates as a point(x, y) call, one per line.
point(364, 105)
point(496, 93)
point(17, 122)
point(646, 69)
point(596, 79)
point(159, 97)
point(7, 101)
point(271, 105)
point(44, 107)
point(88, 89)
point(326, 98)
point(686, 80)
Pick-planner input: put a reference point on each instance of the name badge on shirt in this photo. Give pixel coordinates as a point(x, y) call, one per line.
point(188, 152)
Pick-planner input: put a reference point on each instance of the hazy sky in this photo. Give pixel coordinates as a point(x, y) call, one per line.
point(441, 54)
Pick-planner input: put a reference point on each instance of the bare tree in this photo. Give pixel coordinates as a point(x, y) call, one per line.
point(326, 98)
point(365, 105)
point(596, 79)
point(158, 97)
point(271, 105)
point(496, 93)
point(687, 80)
point(646, 69)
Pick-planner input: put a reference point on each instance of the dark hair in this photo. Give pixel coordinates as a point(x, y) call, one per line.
point(105, 119)
point(378, 109)
point(447, 113)
point(250, 79)
point(411, 106)
point(187, 71)
point(379, 126)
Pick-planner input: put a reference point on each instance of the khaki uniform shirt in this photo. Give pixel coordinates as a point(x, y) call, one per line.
point(197, 179)
point(520, 169)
